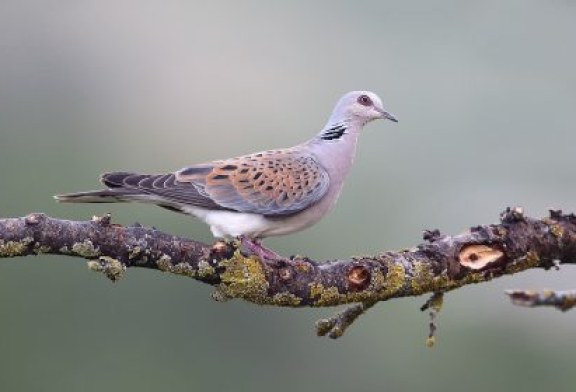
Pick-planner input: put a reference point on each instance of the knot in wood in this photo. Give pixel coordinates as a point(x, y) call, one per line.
point(221, 250)
point(358, 277)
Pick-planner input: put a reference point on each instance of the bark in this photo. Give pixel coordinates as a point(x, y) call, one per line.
point(440, 264)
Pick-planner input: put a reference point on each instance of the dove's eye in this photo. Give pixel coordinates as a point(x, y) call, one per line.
point(364, 100)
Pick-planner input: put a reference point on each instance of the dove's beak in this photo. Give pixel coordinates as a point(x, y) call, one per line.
point(387, 116)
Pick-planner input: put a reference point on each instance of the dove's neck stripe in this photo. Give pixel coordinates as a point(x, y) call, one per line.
point(334, 132)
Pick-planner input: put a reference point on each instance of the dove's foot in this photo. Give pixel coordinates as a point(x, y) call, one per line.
point(255, 247)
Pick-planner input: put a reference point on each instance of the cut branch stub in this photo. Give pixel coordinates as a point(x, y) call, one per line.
point(478, 256)
point(358, 278)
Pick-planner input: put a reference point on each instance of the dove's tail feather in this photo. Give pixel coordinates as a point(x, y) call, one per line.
point(117, 195)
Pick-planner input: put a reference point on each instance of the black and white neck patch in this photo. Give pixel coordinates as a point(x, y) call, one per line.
point(334, 133)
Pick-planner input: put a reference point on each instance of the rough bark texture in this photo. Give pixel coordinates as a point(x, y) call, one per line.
point(442, 263)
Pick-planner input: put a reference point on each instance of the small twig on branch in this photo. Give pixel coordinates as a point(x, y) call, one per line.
point(440, 264)
point(561, 300)
point(433, 305)
point(335, 326)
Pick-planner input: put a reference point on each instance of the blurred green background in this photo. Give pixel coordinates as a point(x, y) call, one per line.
point(485, 93)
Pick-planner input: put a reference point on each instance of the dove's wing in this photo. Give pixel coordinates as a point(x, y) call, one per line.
point(271, 183)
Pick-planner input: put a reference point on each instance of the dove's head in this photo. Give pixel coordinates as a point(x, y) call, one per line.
point(360, 106)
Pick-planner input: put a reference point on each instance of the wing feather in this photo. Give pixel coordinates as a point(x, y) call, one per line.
point(273, 183)
point(279, 182)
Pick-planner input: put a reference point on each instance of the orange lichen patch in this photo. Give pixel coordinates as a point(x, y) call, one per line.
point(477, 256)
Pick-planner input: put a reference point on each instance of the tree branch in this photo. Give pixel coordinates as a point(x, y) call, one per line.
point(561, 300)
point(440, 264)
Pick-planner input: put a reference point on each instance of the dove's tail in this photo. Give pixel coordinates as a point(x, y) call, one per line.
point(100, 196)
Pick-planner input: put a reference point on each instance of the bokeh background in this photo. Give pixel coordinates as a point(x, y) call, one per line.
point(486, 96)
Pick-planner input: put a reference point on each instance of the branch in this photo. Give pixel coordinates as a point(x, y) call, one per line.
point(440, 264)
point(561, 300)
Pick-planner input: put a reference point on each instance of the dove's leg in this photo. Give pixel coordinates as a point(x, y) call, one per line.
point(255, 247)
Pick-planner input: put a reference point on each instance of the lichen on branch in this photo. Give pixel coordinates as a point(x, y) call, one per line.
point(440, 264)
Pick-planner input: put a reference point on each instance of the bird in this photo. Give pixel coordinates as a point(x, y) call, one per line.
point(263, 194)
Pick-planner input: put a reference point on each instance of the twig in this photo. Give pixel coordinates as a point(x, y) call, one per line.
point(434, 304)
point(336, 325)
point(561, 300)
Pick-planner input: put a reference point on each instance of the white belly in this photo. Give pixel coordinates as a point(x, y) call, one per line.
point(230, 224)
point(234, 224)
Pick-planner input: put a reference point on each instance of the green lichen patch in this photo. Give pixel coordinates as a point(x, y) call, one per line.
point(471, 278)
point(184, 269)
point(325, 296)
point(39, 249)
point(530, 260)
point(423, 280)
point(205, 270)
point(14, 248)
point(134, 252)
point(286, 299)
point(113, 269)
point(164, 263)
point(244, 277)
point(394, 280)
point(85, 249)
point(381, 287)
